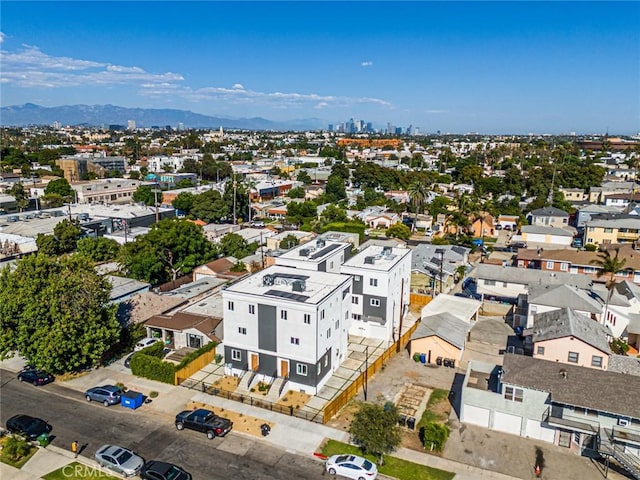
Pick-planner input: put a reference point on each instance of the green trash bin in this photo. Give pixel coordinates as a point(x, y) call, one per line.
point(44, 439)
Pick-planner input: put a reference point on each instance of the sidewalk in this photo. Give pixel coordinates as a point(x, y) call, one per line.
point(172, 399)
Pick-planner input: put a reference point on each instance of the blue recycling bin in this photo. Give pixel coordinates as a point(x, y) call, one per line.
point(423, 358)
point(132, 399)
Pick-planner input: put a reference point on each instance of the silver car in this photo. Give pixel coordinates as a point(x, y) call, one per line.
point(119, 459)
point(107, 394)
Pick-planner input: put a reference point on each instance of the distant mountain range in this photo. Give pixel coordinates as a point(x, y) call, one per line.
point(104, 115)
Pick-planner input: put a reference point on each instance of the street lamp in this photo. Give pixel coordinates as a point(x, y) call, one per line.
point(156, 191)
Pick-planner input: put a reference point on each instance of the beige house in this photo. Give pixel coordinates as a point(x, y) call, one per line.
point(612, 228)
point(565, 336)
point(185, 330)
point(273, 243)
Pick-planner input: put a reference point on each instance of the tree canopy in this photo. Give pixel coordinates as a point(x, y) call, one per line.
point(145, 194)
point(375, 429)
point(99, 249)
point(61, 187)
point(233, 245)
point(56, 312)
point(171, 247)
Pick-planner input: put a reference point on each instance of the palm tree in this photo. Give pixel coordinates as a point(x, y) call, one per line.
point(418, 193)
point(610, 265)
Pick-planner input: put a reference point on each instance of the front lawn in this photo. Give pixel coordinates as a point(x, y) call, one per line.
point(19, 462)
point(394, 467)
point(78, 471)
point(437, 409)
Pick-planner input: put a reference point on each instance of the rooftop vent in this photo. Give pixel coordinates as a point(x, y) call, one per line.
point(267, 280)
point(304, 252)
point(320, 243)
point(563, 373)
point(369, 260)
point(386, 250)
point(299, 286)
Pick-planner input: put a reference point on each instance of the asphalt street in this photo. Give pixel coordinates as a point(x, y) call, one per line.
point(153, 436)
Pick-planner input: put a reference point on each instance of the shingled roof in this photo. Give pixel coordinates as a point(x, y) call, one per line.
point(611, 392)
point(567, 323)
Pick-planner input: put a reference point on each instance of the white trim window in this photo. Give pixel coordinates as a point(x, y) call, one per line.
point(236, 355)
point(295, 341)
point(252, 309)
point(301, 369)
point(307, 318)
point(373, 282)
point(573, 357)
point(514, 394)
point(283, 314)
point(242, 330)
point(374, 302)
point(230, 306)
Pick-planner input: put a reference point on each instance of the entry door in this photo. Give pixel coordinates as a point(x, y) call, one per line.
point(284, 368)
point(255, 361)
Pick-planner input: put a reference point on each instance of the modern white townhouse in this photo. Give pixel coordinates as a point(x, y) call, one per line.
point(287, 325)
point(380, 297)
point(321, 255)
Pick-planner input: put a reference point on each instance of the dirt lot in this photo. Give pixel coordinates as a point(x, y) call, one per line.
point(227, 383)
point(295, 399)
point(241, 423)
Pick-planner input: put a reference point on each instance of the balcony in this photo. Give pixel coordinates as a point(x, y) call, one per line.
point(625, 435)
point(576, 424)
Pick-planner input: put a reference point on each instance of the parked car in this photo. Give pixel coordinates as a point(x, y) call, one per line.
point(119, 459)
point(155, 470)
point(351, 466)
point(203, 420)
point(30, 427)
point(107, 394)
point(36, 377)
point(127, 361)
point(144, 343)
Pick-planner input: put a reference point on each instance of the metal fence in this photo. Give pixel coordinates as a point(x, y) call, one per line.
point(310, 414)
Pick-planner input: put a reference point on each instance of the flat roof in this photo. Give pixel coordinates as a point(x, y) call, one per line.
point(378, 260)
point(317, 285)
point(316, 253)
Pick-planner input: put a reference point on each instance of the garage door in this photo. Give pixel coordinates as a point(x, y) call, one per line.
point(475, 415)
point(534, 430)
point(506, 422)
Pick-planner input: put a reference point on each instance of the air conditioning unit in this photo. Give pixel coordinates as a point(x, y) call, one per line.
point(623, 422)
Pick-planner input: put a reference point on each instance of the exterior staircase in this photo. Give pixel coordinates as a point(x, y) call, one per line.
point(631, 463)
point(244, 385)
point(276, 389)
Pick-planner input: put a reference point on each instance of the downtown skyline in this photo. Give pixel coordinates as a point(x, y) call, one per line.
point(505, 67)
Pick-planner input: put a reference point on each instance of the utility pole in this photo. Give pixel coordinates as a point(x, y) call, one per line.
point(440, 251)
point(398, 346)
point(155, 198)
point(235, 218)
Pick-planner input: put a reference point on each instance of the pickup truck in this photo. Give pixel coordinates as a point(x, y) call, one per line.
point(203, 420)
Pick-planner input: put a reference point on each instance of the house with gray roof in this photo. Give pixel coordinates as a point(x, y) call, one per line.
point(507, 283)
point(549, 217)
point(433, 266)
point(586, 410)
point(545, 298)
point(566, 336)
point(624, 306)
point(547, 235)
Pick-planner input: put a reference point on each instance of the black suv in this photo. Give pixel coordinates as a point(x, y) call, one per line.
point(30, 427)
point(205, 421)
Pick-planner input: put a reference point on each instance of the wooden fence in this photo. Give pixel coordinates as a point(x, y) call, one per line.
point(332, 408)
point(197, 364)
point(419, 300)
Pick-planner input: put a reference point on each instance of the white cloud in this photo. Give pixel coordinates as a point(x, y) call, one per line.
point(2, 37)
point(29, 67)
point(368, 63)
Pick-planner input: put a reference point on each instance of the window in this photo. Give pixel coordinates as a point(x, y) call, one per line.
point(307, 318)
point(283, 314)
point(356, 316)
point(230, 305)
point(295, 340)
point(326, 360)
point(354, 300)
point(564, 267)
point(338, 321)
point(573, 357)
point(373, 282)
point(242, 330)
point(540, 351)
point(301, 369)
point(328, 333)
point(512, 393)
point(549, 265)
point(608, 230)
point(346, 315)
point(252, 309)
point(596, 361)
point(490, 283)
point(322, 314)
point(374, 302)
point(236, 355)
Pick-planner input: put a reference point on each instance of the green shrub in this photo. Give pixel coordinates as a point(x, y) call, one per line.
point(153, 368)
point(16, 447)
point(434, 435)
point(154, 350)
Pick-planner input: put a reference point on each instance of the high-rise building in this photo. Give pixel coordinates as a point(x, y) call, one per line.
point(131, 124)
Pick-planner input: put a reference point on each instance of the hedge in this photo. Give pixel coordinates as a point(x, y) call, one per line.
point(148, 363)
point(434, 435)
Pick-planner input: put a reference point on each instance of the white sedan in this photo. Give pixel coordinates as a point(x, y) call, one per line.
point(351, 466)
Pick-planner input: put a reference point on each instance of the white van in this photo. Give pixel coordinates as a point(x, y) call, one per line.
point(144, 343)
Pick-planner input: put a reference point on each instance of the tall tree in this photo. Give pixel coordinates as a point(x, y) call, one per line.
point(60, 187)
point(146, 195)
point(56, 312)
point(609, 265)
point(375, 428)
point(418, 193)
point(171, 245)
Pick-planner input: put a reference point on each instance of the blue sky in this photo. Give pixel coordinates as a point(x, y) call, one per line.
point(504, 67)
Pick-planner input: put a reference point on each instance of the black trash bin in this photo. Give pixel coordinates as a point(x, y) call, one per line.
point(402, 420)
point(439, 361)
point(265, 429)
point(411, 423)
